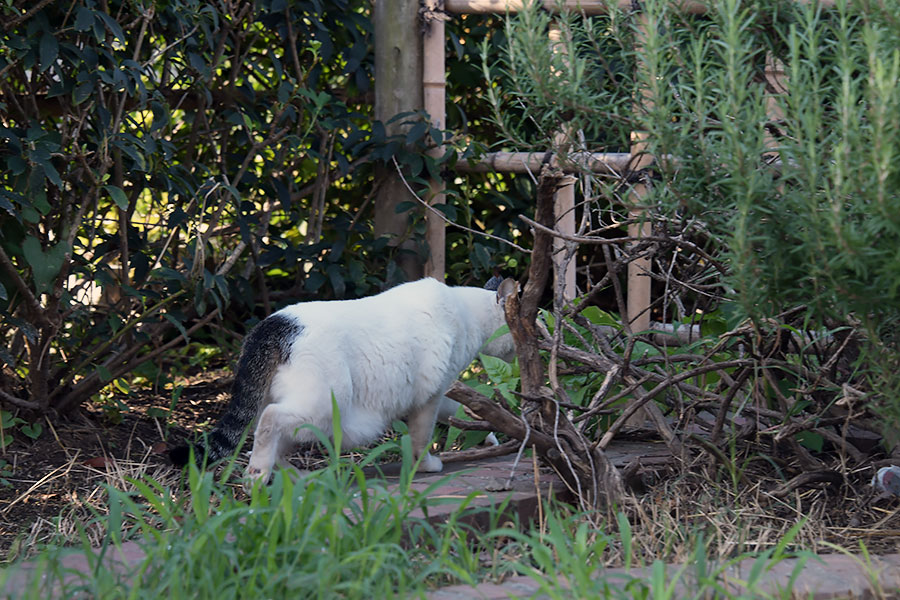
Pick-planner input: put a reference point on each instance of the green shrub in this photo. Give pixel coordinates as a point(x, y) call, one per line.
point(793, 194)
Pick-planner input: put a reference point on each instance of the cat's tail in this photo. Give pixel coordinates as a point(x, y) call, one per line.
point(266, 347)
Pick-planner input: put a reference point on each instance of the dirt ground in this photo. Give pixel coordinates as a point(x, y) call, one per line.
point(56, 484)
point(57, 479)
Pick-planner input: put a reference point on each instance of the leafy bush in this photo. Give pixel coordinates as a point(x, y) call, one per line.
point(158, 162)
point(162, 163)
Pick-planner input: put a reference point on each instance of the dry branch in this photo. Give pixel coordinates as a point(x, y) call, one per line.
point(586, 470)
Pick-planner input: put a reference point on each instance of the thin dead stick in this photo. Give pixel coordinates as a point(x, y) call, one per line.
point(605, 405)
point(537, 488)
point(726, 404)
point(444, 218)
point(615, 241)
point(52, 475)
point(667, 382)
point(507, 447)
point(830, 477)
point(242, 245)
point(16, 401)
point(522, 447)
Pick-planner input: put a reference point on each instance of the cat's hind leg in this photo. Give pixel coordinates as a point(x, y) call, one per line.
point(421, 427)
point(287, 447)
point(276, 433)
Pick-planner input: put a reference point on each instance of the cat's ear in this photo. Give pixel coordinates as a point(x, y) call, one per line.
point(507, 287)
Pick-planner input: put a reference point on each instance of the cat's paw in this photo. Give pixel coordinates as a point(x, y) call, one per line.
point(254, 476)
point(431, 464)
point(292, 472)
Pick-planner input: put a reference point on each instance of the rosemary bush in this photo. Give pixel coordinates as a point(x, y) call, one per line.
point(788, 182)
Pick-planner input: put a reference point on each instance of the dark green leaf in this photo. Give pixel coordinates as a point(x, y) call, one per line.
point(336, 275)
point(45, 266)
point(436, 136)
point(49, 50)
point(32, 430)
point(82, 92)
point(813, 441)
point(16, 165)
point(404, 206)
point(105, 375)
point(118, 196)
point(84, 18)
point(497, 369)
point(51, 173)
point(113, 27)
point(178, 325)
point(448, 209)
point(170, 274)
point(314, 281)
point(416, 132)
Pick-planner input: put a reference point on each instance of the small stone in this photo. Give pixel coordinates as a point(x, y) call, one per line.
point(493, 485)
point(887, 480)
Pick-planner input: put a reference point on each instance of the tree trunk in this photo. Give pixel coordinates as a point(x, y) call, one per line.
point(398, 89)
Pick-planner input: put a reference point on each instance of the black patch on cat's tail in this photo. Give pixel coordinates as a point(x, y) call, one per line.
point(266, 347)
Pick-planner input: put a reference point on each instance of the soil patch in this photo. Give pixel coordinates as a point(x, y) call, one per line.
point(57, 482)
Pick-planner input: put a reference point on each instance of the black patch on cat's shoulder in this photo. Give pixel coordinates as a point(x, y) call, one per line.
point(493, 283)
point(275, 333)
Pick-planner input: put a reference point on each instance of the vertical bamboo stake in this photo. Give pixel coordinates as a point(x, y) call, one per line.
point(638, 300)
point(434, 82)
point(564, 209)
point(776, 83)
point(638, 279)
point(564, 199)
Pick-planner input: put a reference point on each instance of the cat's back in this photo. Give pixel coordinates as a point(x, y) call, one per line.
point(408, 305)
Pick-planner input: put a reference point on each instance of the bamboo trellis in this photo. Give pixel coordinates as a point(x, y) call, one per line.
point(435, 13)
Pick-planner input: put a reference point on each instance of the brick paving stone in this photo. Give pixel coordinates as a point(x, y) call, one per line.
point(72, 563)
point(492, 481)
point(827, 577)
point(834, 576)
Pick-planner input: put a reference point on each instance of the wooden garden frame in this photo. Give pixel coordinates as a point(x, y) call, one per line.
point(435, 13)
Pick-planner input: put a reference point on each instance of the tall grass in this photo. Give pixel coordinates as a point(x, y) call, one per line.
point(334, 533)
point(338, 534)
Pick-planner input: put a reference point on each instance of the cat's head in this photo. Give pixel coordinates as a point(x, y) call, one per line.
point(503, 287)
point(506, 288)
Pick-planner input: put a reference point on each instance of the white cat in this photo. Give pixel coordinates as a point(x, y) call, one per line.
point(382, 358)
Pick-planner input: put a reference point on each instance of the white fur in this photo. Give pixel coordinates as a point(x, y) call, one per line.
point(384, 357)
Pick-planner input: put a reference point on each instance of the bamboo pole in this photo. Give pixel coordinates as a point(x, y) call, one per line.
point(776, 84)
point(638, 298)
point(398, 89)
point(564, 198)
point(530, 162)
point(587, 7)
point(434, 82)
point(564, 211)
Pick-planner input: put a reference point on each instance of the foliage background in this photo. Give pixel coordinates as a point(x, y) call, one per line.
point(791, 191)
point(172, 170)
point(177, 170)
